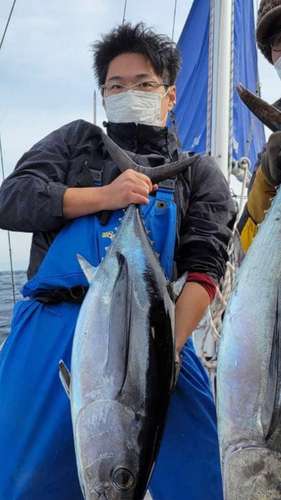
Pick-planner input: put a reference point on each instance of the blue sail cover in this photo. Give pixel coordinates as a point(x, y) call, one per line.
point(192, 83)
point(248, 131)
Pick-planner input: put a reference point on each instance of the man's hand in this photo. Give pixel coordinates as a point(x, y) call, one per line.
point(129, 187)
point(271, 159)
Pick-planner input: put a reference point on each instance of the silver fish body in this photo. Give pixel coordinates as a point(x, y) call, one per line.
point(123, 367)
point(249, 371)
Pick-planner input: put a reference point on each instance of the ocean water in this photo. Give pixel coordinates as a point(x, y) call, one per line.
point(6, 299)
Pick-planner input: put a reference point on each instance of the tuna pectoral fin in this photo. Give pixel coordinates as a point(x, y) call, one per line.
point(177, 286)
point(119, 327)
point(87, 268)
point(178, 364)
point(64, 377)
point(271, 411)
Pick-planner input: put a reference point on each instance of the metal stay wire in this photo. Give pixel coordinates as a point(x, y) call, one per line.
point(8, 232)
point(124, 12)
point(7, 24)
point(2, 161)
point(174, 19)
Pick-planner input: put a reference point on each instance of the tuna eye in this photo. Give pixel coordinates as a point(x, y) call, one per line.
point(123, 479)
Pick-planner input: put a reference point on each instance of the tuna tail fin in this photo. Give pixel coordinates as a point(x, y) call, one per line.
point(65, 377)
point(87, 268)
point(177, 286)
point(267, 114)
point(156, 174)
point(271, 411)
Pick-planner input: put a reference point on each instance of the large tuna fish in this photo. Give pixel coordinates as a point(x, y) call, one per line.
point(249, 371)
point(123, 358)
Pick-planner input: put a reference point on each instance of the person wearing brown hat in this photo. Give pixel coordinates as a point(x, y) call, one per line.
point(267, 171)
point(268, 25)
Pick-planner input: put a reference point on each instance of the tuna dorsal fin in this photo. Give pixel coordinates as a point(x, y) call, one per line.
point(87, 268)
point(271, 411)
point(177, 286)
point(65, 377)
point(156, 174)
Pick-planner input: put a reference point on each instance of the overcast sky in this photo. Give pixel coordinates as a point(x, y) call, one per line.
point(46, 78)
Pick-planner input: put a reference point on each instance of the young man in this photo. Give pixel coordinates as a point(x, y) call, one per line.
point(267, 171)
point(67, 190)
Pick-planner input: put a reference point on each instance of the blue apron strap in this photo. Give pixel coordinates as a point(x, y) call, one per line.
point(160, 218)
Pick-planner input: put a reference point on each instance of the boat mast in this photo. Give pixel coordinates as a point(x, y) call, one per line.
point(222, 83)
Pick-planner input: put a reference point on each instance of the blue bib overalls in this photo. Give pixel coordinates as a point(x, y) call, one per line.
point(37, 460)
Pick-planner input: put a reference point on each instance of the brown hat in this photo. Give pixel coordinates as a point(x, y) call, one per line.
point(268, 11)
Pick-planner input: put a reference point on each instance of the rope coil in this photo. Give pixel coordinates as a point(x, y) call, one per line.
point(211, 324)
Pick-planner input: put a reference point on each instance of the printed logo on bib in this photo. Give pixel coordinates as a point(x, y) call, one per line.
point(108, 234)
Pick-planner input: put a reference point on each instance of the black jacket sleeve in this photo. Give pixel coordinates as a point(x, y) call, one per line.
point(206, 227)
point(31, 198)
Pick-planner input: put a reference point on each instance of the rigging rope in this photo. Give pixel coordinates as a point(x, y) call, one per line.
point(174, 19)
point(9, 239)
point(7, 24)
point(252, 124)
point(211, 323)
point(124, 12)
point(230, 146)
point(210, 78)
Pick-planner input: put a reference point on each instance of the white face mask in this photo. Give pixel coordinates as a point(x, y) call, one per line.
point(277, 66)
point(135, 106)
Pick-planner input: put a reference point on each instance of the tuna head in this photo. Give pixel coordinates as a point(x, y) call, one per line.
point(107, 451)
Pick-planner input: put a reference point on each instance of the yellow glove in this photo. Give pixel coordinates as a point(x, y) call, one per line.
point(260, 195)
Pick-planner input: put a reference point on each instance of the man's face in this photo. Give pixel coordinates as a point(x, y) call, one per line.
point(275, 28)
point(129, 69)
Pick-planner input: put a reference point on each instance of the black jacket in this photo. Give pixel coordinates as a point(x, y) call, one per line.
point(31, 198)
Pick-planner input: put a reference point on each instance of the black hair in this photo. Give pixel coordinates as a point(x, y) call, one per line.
point(161, 51)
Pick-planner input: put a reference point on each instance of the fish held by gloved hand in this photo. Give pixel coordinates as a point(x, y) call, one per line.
point(249, 371)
